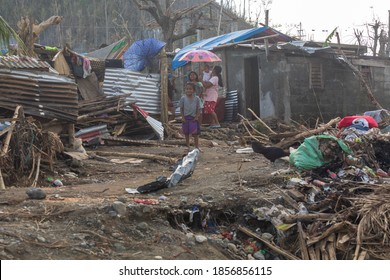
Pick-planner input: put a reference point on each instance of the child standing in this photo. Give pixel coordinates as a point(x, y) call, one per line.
point(190, 111)
point(193, 78)
point(206, 73)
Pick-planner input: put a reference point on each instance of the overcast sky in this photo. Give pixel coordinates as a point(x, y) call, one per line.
point(316, 16)
point(319, 18)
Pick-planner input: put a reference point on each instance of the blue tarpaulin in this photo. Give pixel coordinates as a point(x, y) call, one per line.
point(233, 37)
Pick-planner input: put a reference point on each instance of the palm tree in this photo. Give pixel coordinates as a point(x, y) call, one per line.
point(6, 33)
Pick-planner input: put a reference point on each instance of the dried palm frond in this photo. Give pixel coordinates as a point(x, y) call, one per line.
point(374, 214)
point(6, 33)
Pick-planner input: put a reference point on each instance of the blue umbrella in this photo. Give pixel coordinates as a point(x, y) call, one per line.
point(141, 53)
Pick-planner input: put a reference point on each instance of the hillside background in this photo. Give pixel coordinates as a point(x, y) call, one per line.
point(88, 24)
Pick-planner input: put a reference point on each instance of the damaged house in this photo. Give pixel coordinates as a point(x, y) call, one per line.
point(294, 79)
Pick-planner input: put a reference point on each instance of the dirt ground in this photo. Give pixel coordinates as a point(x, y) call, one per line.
point(93, 217)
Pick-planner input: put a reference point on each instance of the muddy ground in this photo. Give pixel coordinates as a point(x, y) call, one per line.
point(79, 221)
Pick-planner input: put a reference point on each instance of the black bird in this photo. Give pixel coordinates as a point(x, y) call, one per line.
point(270, 153)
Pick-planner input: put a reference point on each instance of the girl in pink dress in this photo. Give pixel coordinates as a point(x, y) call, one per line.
point(210, 95)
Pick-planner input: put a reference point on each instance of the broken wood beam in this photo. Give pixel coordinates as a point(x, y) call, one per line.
point(34, 183)
point(302, 242)
point(363, 255)
point(125, 141)
point(2, 185)
point(312, 253)
point(289, 200)
point(71, 134)
point(97, 113)
point(333, 229)
point(307, 217)
point(202, 142)
point(273, 247)
point(296, 195)
point(331, 247)
point(4, 150)
point(138, 155)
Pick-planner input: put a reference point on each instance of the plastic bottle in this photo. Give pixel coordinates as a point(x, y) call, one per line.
point(321, 184)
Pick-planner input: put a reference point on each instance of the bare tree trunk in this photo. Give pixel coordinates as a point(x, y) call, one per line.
point(388, 37)
point(29, 32)
point(106, 18)
point(375, 26)
point(382, 44)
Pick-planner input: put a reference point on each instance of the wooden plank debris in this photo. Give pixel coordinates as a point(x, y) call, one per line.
point(273, 247)
point(302, 242)
point(138, 155)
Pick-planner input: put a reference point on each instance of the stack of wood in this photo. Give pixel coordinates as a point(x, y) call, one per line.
point(106, 109)
point(349, 222)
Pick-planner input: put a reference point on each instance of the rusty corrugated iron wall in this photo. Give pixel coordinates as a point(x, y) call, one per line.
point(23, 62)
point(145, 88)
point(41, 94)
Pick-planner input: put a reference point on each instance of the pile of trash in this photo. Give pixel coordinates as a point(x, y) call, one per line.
point(341, 202)
point(334, 202)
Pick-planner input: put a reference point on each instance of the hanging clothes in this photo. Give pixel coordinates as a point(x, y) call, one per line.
point(86, 67)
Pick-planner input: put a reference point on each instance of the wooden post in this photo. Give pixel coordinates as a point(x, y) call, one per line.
point(4, 150)
point(225, 70)
point(2, 185)
point(71, 135)
point(266, 40)
point(164, 86)
point(388, 37)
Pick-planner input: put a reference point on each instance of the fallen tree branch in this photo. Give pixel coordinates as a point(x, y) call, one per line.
point(290, 141)
point(262, 136)
point(261, 121)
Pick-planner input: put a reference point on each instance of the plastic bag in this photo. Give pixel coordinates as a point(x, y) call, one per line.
point(309, 156)
point(185, 169)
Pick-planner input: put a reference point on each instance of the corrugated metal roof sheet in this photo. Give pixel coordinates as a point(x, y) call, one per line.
point(302, 46)
point(40, 93)
point(145, 89)
point(22, 62)
point(233, 37)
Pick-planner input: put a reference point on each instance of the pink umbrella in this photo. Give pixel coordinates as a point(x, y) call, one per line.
point(200, 56)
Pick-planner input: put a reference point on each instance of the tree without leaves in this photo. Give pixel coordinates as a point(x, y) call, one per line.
point(375, 26)
point(167, 19)
point(382, 43)
point(29, 31)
